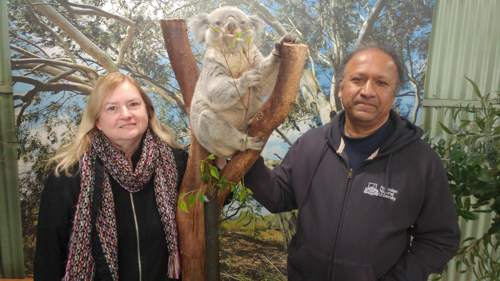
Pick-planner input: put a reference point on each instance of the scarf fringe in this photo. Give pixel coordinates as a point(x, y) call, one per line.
point(174, 265)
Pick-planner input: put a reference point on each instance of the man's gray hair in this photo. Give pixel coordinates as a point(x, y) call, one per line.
point(369, 46)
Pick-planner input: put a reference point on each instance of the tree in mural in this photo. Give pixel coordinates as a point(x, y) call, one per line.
point(331, 28)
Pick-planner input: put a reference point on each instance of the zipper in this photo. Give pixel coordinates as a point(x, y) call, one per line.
point(137, 236)
point(333, 254)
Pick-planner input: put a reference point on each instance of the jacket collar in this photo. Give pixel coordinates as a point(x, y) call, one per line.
point(404, 133)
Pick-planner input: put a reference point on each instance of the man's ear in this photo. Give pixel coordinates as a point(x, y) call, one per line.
point(341, 87)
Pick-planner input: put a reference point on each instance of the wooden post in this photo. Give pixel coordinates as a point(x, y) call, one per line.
point(271, 115)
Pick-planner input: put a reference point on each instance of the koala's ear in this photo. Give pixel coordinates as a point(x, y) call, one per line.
point(257, 24)
point(198, 26)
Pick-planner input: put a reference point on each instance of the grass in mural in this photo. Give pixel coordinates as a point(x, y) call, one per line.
point(251, 248)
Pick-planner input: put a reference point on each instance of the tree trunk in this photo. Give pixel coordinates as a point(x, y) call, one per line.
point(271, 115)
point(416, 106)
point(314, 97)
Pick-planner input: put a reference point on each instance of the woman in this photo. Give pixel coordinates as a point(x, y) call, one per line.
point(101, 219)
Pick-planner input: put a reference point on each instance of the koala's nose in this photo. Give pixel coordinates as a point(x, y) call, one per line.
point(231, 25)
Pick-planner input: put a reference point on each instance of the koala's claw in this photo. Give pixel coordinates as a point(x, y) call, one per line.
point(288, 38)
point(250, 78)
point(255, 143)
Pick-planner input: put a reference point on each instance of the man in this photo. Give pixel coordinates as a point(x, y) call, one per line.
point(373, 198)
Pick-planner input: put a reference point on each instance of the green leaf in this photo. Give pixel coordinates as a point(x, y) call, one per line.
point(480, 124)
point(485, 177)
point(249, 191)
point(469, 239)
point(242, 195)
point(457, 155)
point(201, 198)
point(211, 157)
point(469, 215)
point(476, 88)
point(445, 128)
point(214, 171)
point(202, 167)
point(191, 200)
point(474, 160)
point(215, 29)
point(237, 108)
point(233, 42)
point(467, 203)
point(184, 207)
point(249, 41)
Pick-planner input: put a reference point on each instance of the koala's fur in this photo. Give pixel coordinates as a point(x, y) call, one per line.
point(217, 109)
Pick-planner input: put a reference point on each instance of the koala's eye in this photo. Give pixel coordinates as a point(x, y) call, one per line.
point(242, 22)
point(218, 22)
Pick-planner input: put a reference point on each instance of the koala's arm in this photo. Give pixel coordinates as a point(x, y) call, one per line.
point(220, 91)
point(275, 56)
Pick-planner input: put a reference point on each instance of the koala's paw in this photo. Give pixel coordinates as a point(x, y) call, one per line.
point(255, 143)
point(249, 79)
point(288, 38)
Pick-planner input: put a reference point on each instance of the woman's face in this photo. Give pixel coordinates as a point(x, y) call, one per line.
point(123, 117)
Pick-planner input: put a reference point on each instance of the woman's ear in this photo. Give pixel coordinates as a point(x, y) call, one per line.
point(97, 124)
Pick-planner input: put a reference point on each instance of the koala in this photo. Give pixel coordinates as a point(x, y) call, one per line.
point(234, 80)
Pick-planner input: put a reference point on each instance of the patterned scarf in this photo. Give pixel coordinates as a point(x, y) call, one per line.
point(100, 229)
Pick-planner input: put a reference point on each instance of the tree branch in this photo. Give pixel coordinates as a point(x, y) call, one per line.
point(55, 35)
point(14, 35)
point(84, 69)
point(371, 18)
point(75, 34)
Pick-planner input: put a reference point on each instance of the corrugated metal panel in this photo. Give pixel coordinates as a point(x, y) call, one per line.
point(465, 41)
point(11, 242)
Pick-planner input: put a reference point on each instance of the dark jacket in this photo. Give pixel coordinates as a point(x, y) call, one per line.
point(356, 224)
point(57, 209)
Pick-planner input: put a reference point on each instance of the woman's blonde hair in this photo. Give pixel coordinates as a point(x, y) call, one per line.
point(68, 155)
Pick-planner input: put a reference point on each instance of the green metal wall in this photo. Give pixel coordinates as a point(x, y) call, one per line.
point(11, 241)
point(465, 41)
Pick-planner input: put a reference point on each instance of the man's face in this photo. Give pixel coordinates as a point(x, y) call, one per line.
point(369, 89)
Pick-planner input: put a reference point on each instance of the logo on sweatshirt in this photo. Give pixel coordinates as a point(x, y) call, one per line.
point(374, 190)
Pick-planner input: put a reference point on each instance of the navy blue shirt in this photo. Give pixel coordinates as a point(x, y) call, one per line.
point(359, 149)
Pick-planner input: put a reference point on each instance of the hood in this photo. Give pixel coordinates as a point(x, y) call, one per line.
point(405, 132)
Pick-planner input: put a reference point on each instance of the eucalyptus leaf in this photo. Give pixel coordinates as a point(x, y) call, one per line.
point(214, 172)
point(184, 207)
point(445, 128)
point(191, 200)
